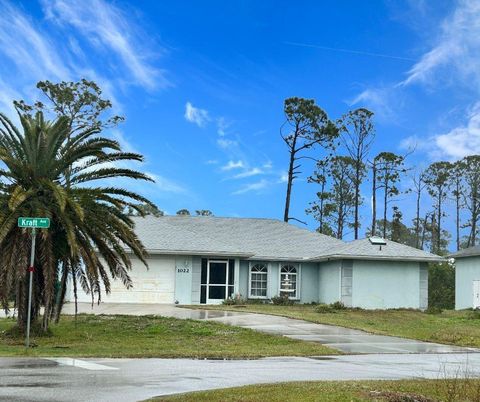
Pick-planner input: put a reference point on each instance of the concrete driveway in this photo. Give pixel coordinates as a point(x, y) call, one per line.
point(118, 380)
point(344, 339)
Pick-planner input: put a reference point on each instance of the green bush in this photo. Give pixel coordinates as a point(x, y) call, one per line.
point(282, 300)
point(434, 310)
point(474, 314)
point(441, 286)
point(338, 305)
point(235, 301)
point(324, 308)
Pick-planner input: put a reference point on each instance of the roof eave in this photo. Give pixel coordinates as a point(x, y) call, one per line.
point(375, 258)
point(221, 253)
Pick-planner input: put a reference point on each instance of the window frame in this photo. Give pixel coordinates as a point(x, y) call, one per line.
point(250, 266)
point(298, 267)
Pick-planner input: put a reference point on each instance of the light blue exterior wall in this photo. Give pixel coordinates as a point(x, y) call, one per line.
point(467, 270)
point(243, 278)
point(196, 276)
point(183, 279)
point(308, 282)
point(386, 284)
point(274, 279)
point(365, 284)
point(329, 282)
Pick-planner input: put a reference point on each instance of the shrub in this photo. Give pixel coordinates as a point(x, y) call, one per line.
point(282, 300)
point(324, 308)
point(235, 301)
point(441, 285)
point(338, 305)
point(474, 314)
point(434, 310)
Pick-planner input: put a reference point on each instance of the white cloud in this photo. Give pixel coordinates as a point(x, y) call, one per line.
point(257, 186)
point(196, 115)
point(124, 142)
point(249, 173)
point(283, 178)
point(376, 99)
point(7, 94)
point(226, 143)
point(457, 46)
point(27, 48)
point(233, 165)
point(107, 27)
point(464, 140)
point(415, 143)
point(166, 185)
point(455, 144)
point(222, 126)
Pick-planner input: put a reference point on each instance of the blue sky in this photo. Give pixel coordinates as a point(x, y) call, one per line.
point(202, 84)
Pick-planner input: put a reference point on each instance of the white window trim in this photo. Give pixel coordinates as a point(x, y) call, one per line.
point(251, 264)
point(299, 278)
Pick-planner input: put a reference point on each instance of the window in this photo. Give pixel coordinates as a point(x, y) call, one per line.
point(258, 280)
point(288, 281)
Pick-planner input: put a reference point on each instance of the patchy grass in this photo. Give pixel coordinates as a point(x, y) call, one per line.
point(153, 336)
point(460, 328)
point(329, 391)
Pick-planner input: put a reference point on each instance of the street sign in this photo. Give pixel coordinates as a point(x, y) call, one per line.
point(32, 223)
point(43, 223)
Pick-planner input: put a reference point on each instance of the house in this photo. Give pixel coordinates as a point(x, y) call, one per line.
point(204, 260)
point(467, 278)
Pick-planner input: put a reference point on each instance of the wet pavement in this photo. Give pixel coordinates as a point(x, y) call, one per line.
point(344, 339)
point(65, 379)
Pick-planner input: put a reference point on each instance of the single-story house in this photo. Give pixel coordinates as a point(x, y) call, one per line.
point(204, 260)
point(467, 278)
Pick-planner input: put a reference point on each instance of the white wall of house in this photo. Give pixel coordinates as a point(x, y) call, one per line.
point(386, 284)
point(153, 285)
point(467, 271)
point(329, 281)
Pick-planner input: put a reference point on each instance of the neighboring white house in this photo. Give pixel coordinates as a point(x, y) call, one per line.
point(204, 260)
point(467, 278)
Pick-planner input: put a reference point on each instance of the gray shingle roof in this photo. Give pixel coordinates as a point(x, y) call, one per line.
point(467, 252)
point(364, 249)
point(246, 237)
point(266, 239)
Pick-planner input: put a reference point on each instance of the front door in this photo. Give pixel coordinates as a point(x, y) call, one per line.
point(217, 283)
point(476, 294)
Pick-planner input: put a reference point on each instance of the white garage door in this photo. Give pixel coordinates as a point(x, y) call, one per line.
point(155, 285)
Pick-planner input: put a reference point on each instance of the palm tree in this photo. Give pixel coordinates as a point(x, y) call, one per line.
point(48, 171)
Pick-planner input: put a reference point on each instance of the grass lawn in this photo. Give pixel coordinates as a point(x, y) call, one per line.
point(325, 391)
point(148, 336)
point(449, 327)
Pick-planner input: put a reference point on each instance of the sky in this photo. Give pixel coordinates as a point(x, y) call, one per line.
point(202, 84)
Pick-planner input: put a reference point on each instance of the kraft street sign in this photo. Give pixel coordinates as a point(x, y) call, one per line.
point(43, 223)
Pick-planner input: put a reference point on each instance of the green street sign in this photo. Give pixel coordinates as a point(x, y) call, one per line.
point(42, 223)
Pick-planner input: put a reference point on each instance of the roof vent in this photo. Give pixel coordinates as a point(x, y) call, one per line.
point(379, 241)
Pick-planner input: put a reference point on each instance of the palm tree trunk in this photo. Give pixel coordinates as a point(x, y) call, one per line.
point(61, 292)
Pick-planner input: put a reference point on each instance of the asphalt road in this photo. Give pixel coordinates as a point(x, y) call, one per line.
point(65, 379)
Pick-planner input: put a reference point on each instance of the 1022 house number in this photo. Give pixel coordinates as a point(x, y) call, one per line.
point(183, 270)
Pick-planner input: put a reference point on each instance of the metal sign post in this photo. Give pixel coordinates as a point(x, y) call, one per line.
point(32, 223)
point(30, 269)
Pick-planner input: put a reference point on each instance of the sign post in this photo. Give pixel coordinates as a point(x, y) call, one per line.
point(32, 223)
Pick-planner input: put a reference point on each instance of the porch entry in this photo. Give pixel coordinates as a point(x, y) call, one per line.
point(217, 280)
